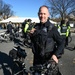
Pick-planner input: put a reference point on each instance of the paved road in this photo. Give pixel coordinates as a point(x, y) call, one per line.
point(66, 63)
point(68, 59)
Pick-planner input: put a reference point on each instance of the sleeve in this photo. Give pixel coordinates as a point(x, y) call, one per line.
point(59, 42)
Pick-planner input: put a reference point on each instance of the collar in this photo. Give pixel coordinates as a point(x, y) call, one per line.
point(46, 24)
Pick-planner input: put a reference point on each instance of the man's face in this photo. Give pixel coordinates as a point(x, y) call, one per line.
point(43, 14)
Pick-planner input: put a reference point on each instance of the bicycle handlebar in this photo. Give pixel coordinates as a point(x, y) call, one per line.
point(41, 67)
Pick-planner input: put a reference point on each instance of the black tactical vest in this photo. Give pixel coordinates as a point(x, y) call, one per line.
point(44, 43)
point(63, 28)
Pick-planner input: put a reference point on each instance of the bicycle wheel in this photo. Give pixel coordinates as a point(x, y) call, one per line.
point(69, 39)
point(6, 37)
point(19, 68)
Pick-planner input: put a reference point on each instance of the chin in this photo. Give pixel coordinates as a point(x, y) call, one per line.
point(43, 21)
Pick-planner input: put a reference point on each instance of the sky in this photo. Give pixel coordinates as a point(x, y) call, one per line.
point(25, 8)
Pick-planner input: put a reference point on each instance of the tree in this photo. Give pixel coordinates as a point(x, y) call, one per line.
point(5, 10)
point(61, 8)
point(74, 13)
point(1, 7)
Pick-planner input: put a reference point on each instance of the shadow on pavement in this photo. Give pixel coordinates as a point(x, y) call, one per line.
point(6, 64)
point(70, 48)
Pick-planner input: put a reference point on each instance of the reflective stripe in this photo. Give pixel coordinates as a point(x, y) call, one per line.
point(64, 24)
point(62, 33)
point(67, 34)
point(26, 27)
point(69, 27)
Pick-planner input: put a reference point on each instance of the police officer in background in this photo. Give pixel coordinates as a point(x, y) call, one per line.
point(65, 30)
point(26, 31)
point(23, 26)
point(27, 25)
point(68, 33)
point(43, 37)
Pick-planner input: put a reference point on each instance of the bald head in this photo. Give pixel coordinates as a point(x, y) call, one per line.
point(42, 7)
point(43, 14)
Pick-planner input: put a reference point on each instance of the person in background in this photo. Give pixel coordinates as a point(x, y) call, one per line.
point(0, 26)
point(27, 28)
point(68, 33)
point(9, 27)
point(65, 30)
point(43, 37)
point(10, 30)
point(23, 26)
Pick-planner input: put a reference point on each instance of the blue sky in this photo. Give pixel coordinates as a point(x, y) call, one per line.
point(25, 8)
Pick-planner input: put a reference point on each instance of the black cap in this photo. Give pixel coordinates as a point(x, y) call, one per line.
point(29, 20)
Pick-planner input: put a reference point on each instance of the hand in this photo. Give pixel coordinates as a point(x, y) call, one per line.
point(55, 58)
point(32, 30)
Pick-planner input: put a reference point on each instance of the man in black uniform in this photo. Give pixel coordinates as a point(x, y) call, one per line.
point(9, 27)
point(43, 36)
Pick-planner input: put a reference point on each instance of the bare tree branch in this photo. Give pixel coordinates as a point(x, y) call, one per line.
point(62, 8)
point(5, 10)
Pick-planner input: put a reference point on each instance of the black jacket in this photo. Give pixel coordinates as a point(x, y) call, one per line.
point(9, 28)
point(53, 33)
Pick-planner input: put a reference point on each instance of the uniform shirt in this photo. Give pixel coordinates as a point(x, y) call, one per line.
point(53, 33)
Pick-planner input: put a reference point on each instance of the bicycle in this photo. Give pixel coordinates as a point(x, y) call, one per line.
point(49, 68)
point(18, 55)
point(21, 70)
point(69, 38)
point(4, 37)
